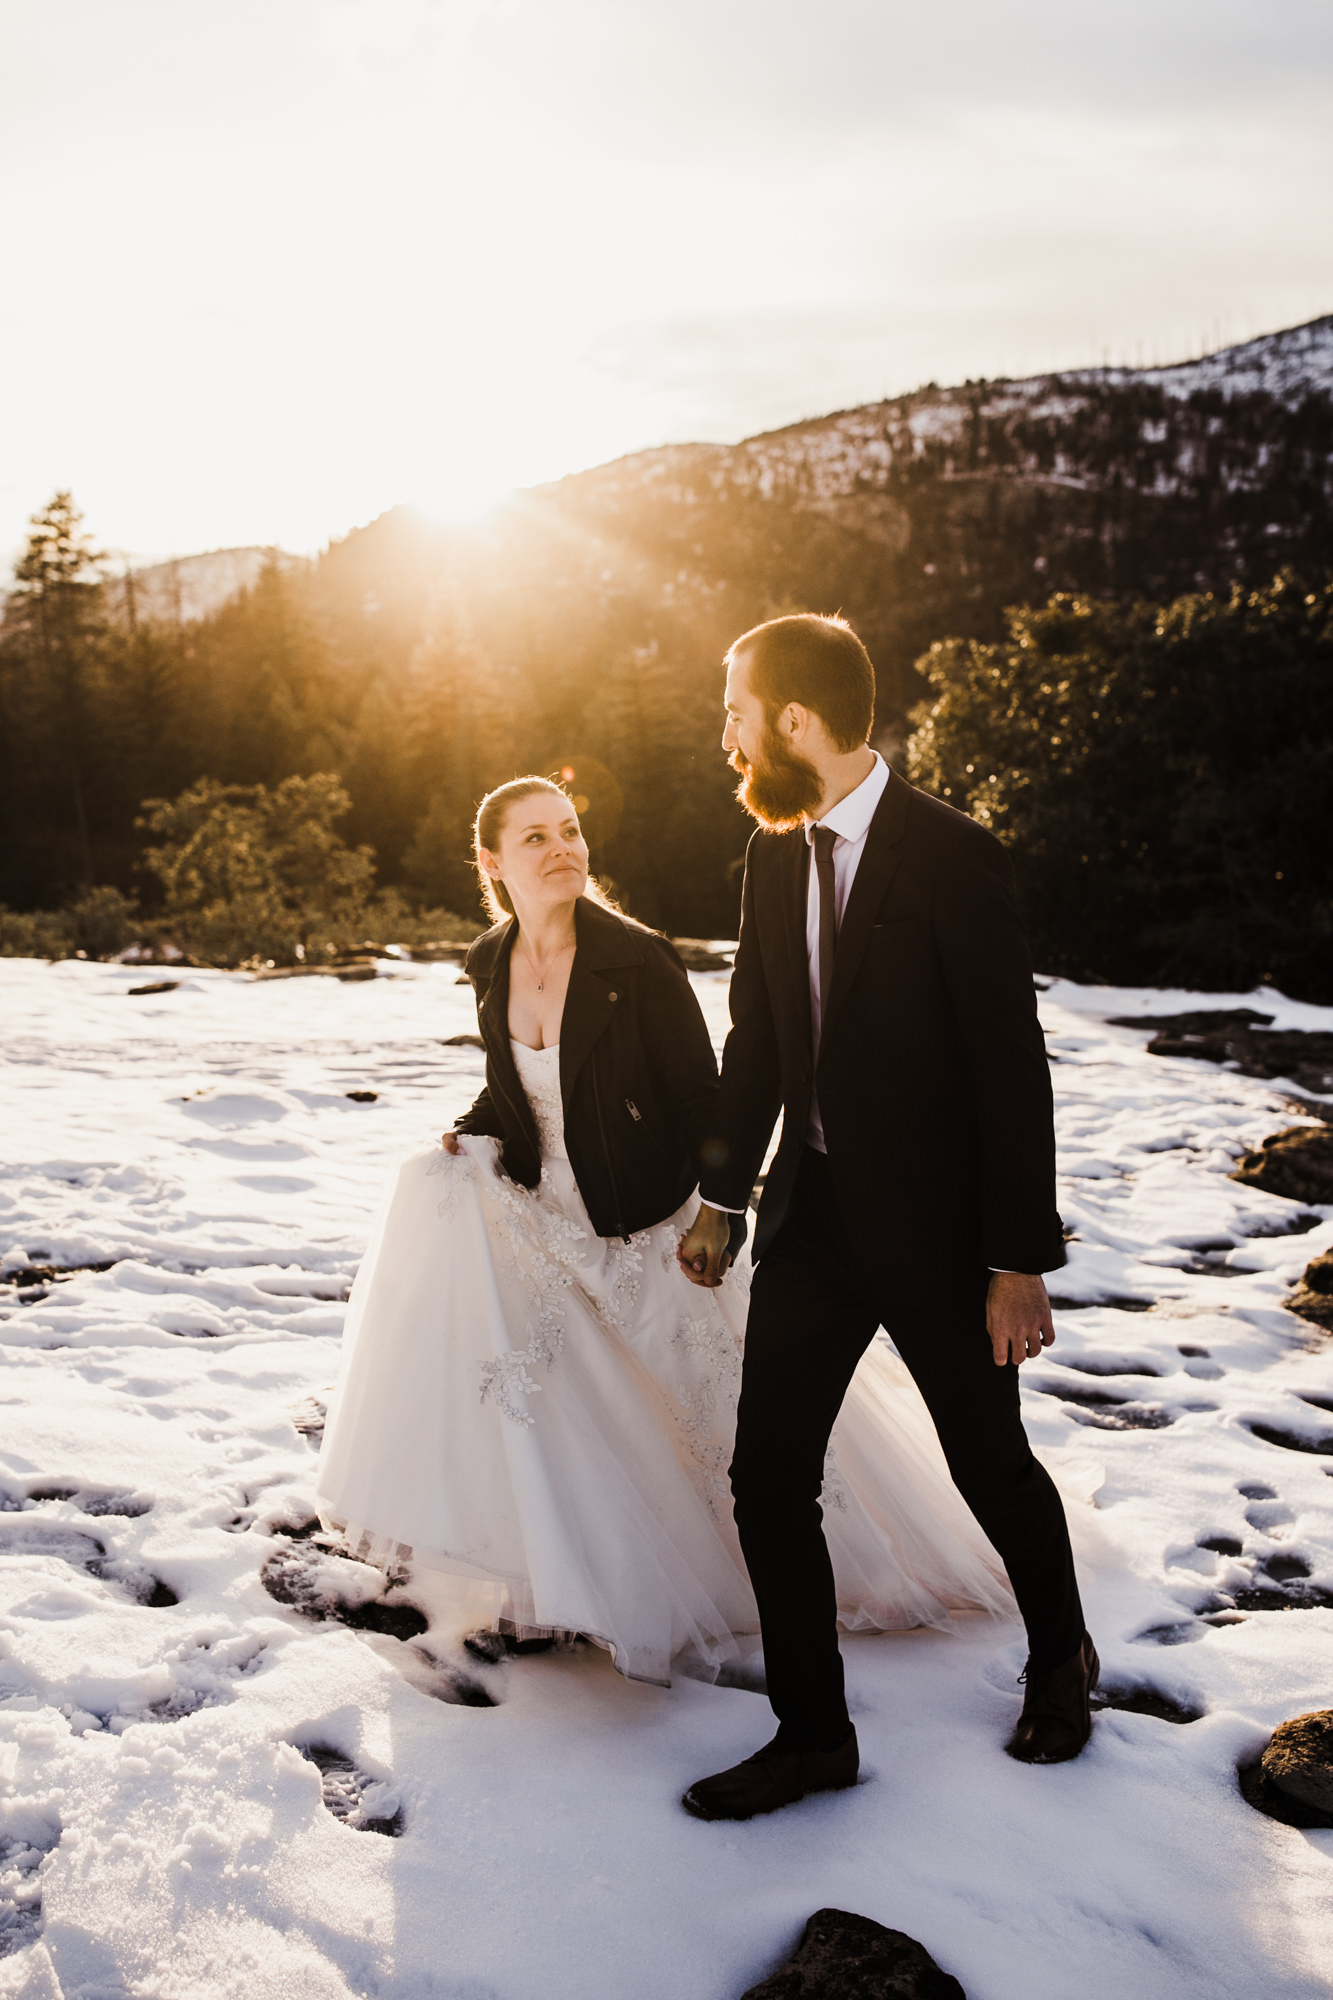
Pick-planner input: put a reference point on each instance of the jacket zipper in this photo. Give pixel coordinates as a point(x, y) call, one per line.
point(606, 1153)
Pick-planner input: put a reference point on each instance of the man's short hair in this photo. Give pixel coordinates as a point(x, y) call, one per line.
point(818, 662)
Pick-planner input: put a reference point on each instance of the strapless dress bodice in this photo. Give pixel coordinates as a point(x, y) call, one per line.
point(539, 1074)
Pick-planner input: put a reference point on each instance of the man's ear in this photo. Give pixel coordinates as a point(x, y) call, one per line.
point(794, 722)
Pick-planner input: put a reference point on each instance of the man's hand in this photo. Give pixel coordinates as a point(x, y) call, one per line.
point(702, 1254)
point(1018, 1317)
point(449, 1140)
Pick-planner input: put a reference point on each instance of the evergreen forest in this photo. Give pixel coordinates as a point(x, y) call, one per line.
point(1102, 622)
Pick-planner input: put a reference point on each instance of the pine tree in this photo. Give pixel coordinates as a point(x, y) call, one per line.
point(53, 639)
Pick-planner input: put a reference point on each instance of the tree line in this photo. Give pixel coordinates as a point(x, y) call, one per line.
point(298, 771)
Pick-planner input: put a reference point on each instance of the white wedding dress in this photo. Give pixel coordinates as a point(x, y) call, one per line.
point(550, 1413)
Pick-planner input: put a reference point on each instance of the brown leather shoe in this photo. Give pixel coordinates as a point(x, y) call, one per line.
point(1057, 1719)
point(771, 1778)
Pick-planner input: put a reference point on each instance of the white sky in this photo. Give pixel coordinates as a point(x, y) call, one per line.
point(272, 266)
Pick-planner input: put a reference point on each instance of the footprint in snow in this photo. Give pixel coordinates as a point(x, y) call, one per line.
point(310, 1575)
point(23, 1539)
point(21, 1855)
point(366, 1804)
point(95, 1501)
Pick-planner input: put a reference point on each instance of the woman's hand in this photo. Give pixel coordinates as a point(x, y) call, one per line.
point(449, 1140)
point(702, 1252)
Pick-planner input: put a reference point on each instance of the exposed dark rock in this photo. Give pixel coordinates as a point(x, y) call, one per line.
point(699, 955)
point(1313, 1297)
point(1258, 1790)
point(845, 1957)
point(1296, 1163)
point(158, 986)
point(1245, 1040)
point(32, 1281)
point(436, 954)
point(362, 1096)
point(1299, 1759)
point(1221, 1545)
point(335, 969)
point(1119, 1302)
point(463, 1041)
point(1319, 1275)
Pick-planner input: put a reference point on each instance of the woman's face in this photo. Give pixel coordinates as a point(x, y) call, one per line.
point(542, 857)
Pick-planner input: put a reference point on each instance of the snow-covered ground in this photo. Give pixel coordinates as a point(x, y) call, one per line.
point(161, 1833)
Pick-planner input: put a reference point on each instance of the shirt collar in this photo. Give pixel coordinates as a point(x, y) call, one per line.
point(850, 818)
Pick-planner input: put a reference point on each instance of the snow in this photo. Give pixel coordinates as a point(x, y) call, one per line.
point(162, 1831)
point(1290, 365)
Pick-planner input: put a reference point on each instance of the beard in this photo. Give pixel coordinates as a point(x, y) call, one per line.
point(779, 787)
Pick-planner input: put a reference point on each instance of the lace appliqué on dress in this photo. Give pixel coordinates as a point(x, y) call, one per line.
point(544, 1245)
point(458, 1170)
point(707, 1339)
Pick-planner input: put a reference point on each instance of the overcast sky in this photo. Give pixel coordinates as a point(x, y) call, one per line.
point(272, 266)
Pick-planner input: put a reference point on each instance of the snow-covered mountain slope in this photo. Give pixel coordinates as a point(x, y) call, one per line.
point(186, 588)
point(196, 1780)
point(1040, 426)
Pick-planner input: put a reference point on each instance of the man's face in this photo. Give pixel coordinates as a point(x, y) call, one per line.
point(777, 785)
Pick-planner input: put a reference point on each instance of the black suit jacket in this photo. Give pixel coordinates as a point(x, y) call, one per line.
point(933, 1085)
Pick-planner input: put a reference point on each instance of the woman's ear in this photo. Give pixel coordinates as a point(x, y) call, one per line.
point(489, 863)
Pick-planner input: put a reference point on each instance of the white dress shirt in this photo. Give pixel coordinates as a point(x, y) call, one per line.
point(850, 821)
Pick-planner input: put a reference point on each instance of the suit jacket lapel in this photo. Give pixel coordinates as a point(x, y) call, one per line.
point(795, 891)
point(877, 868)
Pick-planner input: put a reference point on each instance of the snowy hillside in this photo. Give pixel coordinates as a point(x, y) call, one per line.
point(198, 1782)
point(1040, 426)
point(186, 588)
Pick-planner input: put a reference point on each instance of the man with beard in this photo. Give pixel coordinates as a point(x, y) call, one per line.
point(882, 998)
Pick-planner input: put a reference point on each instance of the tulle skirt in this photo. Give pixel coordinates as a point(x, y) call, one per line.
point(548, 1415)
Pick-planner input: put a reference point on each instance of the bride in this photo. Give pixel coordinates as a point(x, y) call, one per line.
point(532, 1394)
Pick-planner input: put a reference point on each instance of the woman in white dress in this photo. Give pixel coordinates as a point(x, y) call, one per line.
point(532, 1394)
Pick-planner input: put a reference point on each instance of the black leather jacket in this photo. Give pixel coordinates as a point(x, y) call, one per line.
point(637, 1072)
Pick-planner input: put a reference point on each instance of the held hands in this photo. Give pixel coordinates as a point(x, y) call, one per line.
point(1018, 1317)
point(449, 1140)
point(702, 1253)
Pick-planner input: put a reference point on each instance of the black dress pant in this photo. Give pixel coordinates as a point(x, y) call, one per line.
point(815, 1306)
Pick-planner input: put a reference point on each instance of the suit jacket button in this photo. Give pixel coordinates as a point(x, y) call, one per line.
point(613, 996)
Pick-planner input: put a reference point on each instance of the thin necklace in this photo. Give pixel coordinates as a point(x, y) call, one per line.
point(541, 976)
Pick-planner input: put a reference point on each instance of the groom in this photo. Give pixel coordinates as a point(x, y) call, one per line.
point(882, 998)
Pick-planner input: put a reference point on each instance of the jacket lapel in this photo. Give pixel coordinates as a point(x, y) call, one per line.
point(795, 892)
point(593, 994)
point(493, 966)
point(877, 868)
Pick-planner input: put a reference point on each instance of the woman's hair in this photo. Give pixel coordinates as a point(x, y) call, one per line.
point(488, 831)
point(818, 662)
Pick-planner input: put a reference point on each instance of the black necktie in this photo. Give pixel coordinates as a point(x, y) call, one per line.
point(828, 915)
